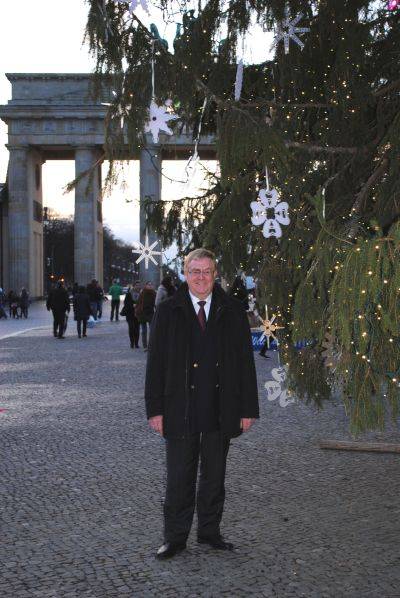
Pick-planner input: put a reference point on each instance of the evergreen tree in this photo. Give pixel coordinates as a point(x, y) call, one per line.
point(325, 120)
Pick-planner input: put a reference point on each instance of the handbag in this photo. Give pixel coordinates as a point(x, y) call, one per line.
point(123, 311)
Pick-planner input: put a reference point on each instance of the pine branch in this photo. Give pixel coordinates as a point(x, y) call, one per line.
point(362, 194)
point(322, 149)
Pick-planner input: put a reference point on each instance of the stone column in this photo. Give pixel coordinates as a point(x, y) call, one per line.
point(150, 186)
point(25, 228)
point(88, 230)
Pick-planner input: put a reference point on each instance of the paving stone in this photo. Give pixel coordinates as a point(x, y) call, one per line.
point(83, 479)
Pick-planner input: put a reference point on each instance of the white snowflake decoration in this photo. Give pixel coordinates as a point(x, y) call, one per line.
point(159, 117)
point(271, 212)
point(133, 5)
point(287, 31)
point(146, 252)
point(275, 389)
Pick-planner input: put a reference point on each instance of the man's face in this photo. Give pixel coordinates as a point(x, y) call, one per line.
point(200, 276)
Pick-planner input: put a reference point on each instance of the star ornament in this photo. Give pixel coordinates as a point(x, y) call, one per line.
point(158, 120)
point(146, 252)
point(287, 30)
point(271, 212)
point(269, 327)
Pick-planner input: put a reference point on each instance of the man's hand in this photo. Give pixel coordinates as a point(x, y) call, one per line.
point(156, 423)
point(246, 423)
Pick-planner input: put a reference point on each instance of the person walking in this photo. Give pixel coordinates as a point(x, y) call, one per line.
point(12, 299)
point(145, 310)
point(82, 311)
point(100, 299)
point(165, 290)
point(24, 303)
point(58, 303)
point(115, 291)
point(92, 292)
point(2, 303)
point(200, 391)
point(133, 324)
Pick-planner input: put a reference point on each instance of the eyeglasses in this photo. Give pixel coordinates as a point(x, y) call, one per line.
point(197, 272)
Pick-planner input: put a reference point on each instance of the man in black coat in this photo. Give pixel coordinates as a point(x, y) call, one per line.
point(58, 303)
point(201, 391)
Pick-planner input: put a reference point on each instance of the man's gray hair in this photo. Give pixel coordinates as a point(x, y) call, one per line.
point(199, 254)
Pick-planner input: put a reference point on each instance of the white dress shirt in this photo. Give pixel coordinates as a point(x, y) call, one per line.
point(195, 301)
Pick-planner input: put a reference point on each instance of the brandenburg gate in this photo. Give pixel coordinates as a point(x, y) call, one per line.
point(58, 117)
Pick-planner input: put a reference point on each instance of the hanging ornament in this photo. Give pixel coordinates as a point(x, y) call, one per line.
point(134, 4)
point(239, 80)
point(269, 328)
point(194, 160)
point(160, 115)
point(271, 212)
point(287, 31)
point(275, 388)
point(146, 252)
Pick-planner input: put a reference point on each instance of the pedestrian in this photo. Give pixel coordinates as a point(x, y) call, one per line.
point(13, 300)
point(2, 303)
point(100, 299)
point(24, 303)
point(133, 324)
point(58, 303)
point(165, 290)
point(82, 311)
point(115, 291)
point(145, 310)
point(75, 289)
point(265, 348)
point(93, 294)
point(200, 391)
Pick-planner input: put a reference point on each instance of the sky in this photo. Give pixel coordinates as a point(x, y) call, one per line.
point(47, 36)
point(49, 39)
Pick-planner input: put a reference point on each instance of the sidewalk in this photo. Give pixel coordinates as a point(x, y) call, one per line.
point(82, 483)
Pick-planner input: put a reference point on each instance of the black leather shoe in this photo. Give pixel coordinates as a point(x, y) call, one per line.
point(168, 550)
point(216, 542)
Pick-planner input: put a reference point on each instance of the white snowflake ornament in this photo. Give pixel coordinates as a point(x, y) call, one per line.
point(271, 212)
point(275, 388)
point(158, 121)
point(146, 252)
point(287, 31)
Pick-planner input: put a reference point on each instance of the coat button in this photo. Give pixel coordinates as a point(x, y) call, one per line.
point(195, 365)
point(192, 386)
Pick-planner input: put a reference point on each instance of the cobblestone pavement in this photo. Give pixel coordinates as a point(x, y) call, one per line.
point(82, 481)
point(38, 317)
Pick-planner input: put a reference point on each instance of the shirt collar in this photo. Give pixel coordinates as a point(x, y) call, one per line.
point(195, 300)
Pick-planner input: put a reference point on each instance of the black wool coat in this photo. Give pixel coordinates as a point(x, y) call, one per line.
point(82, 308)
point(168, 365)
point(58, 301)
